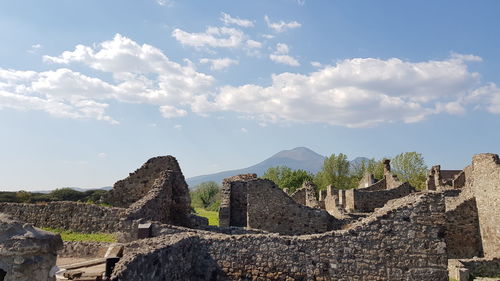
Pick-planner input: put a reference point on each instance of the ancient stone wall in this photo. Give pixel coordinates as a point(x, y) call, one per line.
point(462, 229)
point(82, 249)
point(80, 217)
point(306, 195)
point(233, 207)
point(367, 180)
point(270, 209)
point(361, 200)
point(486, 189)
point(139, 183)
point(26, 253)
point(438, 179)
point(402, 241)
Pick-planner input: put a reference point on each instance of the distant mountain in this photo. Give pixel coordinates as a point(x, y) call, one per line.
point(297, 158)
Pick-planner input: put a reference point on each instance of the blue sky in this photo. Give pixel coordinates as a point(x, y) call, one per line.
point(89, 90)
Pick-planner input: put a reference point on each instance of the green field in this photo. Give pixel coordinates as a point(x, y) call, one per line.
point(212, 216)
point(67, 235)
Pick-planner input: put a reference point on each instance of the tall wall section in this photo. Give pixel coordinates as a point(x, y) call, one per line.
point(402, 241)
point(485, 184)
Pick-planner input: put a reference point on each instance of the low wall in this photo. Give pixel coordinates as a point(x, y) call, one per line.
point(402, 241)
point(81, 249)
point(360, 200)
point(80, 217)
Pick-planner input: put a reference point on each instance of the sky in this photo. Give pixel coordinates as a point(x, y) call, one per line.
point(89, 90)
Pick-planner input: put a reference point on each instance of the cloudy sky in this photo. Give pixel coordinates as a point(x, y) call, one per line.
point(89, 90)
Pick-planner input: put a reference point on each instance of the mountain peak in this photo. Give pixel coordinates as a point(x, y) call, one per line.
point(299, 153)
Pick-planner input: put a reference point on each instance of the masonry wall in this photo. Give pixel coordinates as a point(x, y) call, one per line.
point(486, 188)
point(271, 209)
point(402, 241)
point(462, 229)
point(361, 200)
point(74, 216)
point(232, 211)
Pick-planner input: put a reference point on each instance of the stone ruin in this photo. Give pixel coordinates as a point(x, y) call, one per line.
point(383, 230)
point(247, 201)
point(26, 252)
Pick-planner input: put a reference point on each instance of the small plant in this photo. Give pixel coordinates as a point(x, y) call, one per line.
point(68, 235)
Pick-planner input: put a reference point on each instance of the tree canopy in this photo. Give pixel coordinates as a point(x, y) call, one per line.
point(410, 167)
point(285, 177)
point(206, 195)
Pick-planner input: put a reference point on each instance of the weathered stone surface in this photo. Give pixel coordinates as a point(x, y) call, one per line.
point(401, 241)
point(306, 195)
point(74, 216)
point(257, 203)
point(26, 252)
point(129, 190)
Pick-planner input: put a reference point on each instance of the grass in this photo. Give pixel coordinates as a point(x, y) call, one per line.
point(212, 216)
point(68, 235)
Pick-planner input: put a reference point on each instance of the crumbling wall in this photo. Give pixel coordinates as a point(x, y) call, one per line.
point(367, 180)
point(26, 253)
point(233, 207)
point(306, 195)
point(361, 200)
point(438, 179)
point(129, 190)
point(462, 228)
point(270, 209)
point(80, 217)
point(486, 188)
point(402, 241)
point(83, 249)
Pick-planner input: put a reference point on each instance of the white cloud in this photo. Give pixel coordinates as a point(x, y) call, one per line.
point(102, 155)
point(218, 64)
point(244, 130)
point(253, 44)
point(169, 111)
point(487, 97)
point(167, 3)
point(316, 64)
point(227, 19)
point(222, 37)
point(35, 48)
point(356, 92)
point(281, 55)
point(301, 2)
point(141, 74)
point(178, 126)
point(268, 36)
point(281, 26)
point(360, 92)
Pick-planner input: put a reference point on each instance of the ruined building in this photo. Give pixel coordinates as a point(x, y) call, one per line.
point(26, 252)
point(383, 230)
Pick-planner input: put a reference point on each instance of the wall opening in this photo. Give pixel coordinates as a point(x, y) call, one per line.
point(2, 274)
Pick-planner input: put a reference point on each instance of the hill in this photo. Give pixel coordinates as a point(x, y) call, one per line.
point(297, 158)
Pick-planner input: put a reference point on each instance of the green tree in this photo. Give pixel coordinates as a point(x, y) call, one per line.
point(24, 196)
point(66, 194)
point(285, 177)
point(206, 195)
point(335, 171)
point(375, 167)
point(410, 167)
